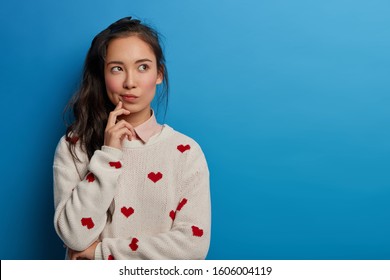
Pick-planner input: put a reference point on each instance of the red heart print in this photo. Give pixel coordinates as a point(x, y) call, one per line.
point(127, 211)
point(183, 148)
point(197, 231)
point(111, 257)
point(116, 164)
point(87, 222)
point(172, 214)
point(72, 139)
point(90, 177)
point(181, 204)
point(133, 245)
point(155, 176)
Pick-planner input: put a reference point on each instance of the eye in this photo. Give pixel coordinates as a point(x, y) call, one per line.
point(143, 67)
point(116, 69)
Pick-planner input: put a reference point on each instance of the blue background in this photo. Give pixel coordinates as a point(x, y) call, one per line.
point(289, 100)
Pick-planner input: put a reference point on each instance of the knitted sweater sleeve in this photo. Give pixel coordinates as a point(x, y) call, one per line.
point(81, 200)
point(189, 237)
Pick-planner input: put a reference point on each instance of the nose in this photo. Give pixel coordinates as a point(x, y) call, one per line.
point(129, 81)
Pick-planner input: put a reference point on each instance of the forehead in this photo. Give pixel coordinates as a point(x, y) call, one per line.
point(129, 48)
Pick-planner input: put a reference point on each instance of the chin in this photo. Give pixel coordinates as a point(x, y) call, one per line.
point(133, 108)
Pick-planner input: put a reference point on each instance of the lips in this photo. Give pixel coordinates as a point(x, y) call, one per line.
point(128, 97)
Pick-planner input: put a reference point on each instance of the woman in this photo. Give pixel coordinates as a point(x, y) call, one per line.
point(126, 187)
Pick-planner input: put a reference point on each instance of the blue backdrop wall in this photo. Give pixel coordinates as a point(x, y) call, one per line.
point(289, 100)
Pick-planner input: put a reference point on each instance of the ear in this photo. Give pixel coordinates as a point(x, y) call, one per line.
point(160, 76)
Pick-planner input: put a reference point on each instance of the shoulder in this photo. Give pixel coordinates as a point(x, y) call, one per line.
point(63, 150)
point(64, 143)
point(62, 146)
point(182, 141)
point(187, 148)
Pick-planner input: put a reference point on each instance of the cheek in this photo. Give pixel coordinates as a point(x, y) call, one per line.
point(149, 83)
point(112, 84)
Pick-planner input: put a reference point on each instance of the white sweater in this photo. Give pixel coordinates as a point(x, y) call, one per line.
point(158, 192)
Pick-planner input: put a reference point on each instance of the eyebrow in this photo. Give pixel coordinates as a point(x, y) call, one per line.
point(136, 62)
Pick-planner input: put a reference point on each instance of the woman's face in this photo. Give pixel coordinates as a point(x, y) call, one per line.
point(131, 74)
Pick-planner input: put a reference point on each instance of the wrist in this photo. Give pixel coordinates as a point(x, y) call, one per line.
point(98, 252)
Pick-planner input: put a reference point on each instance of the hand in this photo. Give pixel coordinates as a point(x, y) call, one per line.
point(87, 254)
point(116, 131)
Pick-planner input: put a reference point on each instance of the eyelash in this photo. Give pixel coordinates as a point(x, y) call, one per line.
point(143, 65)
point(116, 69)
point(140, 68)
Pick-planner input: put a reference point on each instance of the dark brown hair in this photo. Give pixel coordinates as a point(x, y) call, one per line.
point(90, 105)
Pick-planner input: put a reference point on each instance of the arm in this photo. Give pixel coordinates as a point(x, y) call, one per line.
point(81, 206)
point(189, 237)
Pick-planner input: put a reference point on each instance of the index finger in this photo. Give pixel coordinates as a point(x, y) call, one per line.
point(115, 113)
point(118, 105)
